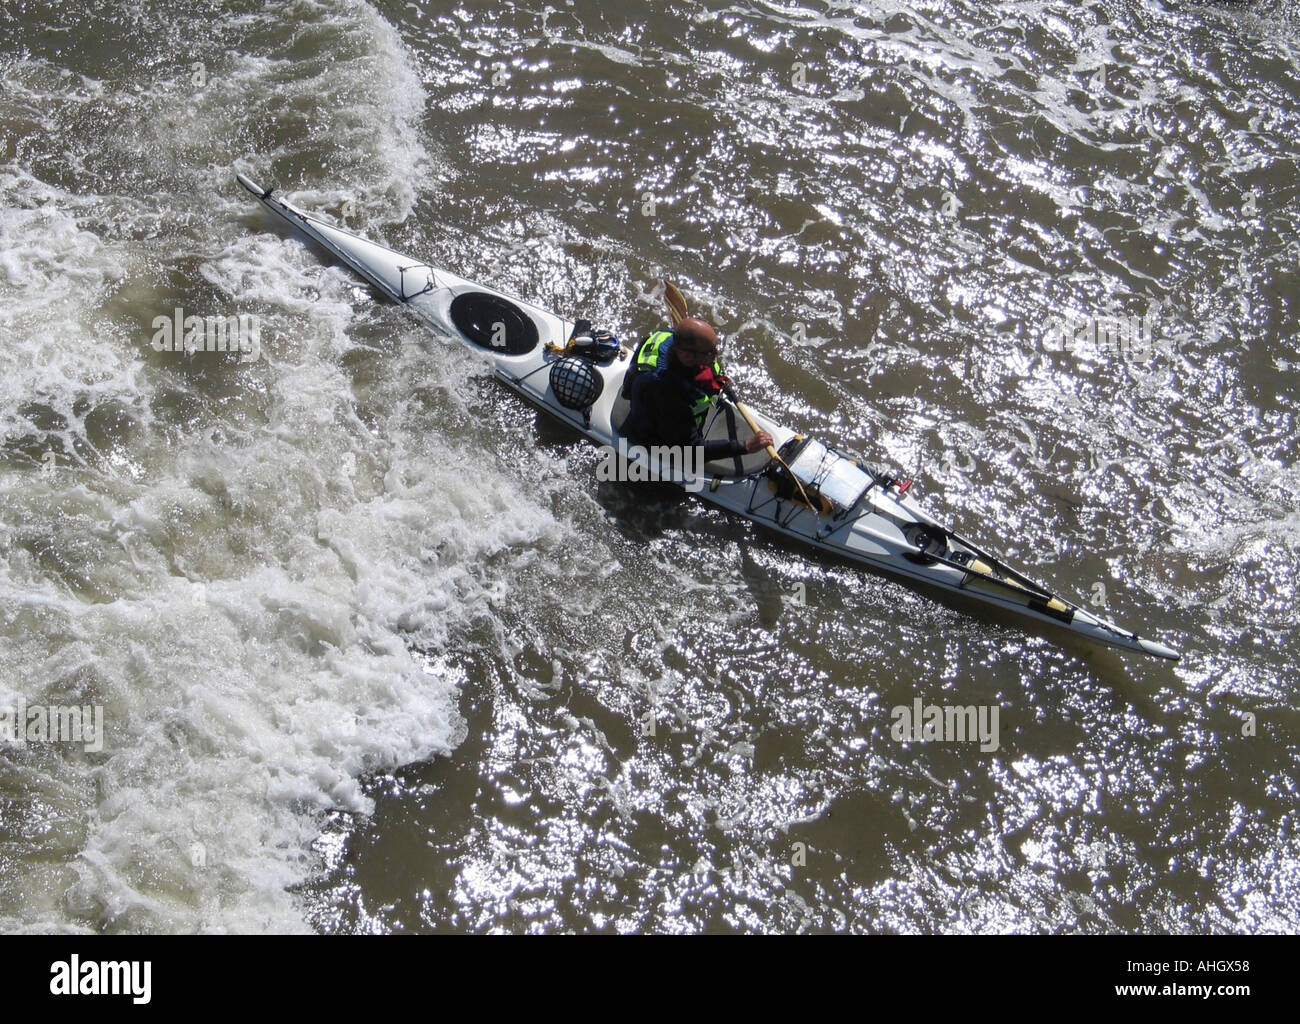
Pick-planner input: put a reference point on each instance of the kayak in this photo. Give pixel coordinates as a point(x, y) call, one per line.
point(816, 495)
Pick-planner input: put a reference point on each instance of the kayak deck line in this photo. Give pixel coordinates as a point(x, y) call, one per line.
point(883, 529)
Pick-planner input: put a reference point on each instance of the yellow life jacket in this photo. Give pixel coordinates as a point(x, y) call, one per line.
point(648, 359)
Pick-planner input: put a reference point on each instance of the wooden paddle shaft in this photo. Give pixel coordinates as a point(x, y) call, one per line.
point(771, 450)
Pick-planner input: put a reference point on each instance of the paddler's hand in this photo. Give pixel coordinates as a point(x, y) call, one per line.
point(759, 441)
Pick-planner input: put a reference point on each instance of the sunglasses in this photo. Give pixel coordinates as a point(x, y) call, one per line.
point(711, 351)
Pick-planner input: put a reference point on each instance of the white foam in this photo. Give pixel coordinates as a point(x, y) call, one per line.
point(248, 591)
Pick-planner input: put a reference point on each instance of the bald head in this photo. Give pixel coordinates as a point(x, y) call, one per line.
point(694, 333)
point(695, 343)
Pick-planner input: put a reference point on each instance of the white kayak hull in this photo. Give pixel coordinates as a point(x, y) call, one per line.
point(885, 530)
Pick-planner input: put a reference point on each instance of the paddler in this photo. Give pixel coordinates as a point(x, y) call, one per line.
point(673, 384)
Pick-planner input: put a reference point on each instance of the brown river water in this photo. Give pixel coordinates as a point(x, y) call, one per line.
point(376, 650)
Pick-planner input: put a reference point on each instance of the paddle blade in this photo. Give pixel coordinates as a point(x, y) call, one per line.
point(676, 303)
